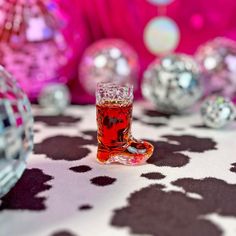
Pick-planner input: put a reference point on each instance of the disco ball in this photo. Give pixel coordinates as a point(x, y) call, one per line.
point(108, 60)
point(217, 59)
point(217, 112)
point(16, 133)
point(172, 83)
point(54, 98)
point(32, 46)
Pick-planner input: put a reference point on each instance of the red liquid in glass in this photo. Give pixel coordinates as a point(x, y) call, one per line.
point(114, 123)
point(115, 143)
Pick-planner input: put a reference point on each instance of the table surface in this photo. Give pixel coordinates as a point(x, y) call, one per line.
point(188, 186)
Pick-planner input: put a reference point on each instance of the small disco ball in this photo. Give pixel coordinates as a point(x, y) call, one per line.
point(217, 112)
point(172, 83)
point(217, 59)
point(108, 60)
point(54, 98)
point(16, 135)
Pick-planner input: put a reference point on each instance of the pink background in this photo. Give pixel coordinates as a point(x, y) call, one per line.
point(91, 20)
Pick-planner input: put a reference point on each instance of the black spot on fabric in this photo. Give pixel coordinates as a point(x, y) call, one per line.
point(192, 143)
point(63, 233)
point(92, 135)
point(135, 118)
point(154, 113)
point(151, 123)
point(24, 196)
point(156, 124)
point(233, 168)
point(102, 180)
point(154, 211)
point(85, 207)
point(179, 129)
point(81, 169)
point(63, 148)
point(218, 196)
point(168, 153)
point(58, 120)
point(153, 175)
point(200, 126)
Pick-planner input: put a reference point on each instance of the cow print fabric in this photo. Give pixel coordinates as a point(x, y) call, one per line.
point(188, 186)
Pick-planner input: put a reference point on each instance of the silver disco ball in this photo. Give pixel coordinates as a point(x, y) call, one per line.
point(172, 83)
point(217, 60)
point(108, 60)
point(54, 98)
point(217, 112)
point(16, 133)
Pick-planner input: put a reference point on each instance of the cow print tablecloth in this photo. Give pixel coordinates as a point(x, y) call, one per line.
point(188, 187)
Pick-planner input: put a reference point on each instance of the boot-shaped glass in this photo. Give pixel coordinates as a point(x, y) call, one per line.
point(114, 105)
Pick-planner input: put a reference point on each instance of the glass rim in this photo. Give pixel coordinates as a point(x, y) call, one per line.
point(114, 85)
point(110, 91)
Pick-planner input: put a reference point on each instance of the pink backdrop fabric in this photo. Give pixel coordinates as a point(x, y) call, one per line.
point(91, 20)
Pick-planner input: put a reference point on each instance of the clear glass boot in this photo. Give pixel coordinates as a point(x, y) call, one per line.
point(114, 105)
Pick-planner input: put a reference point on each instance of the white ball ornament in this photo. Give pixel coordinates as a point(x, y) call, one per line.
point(161, 35)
